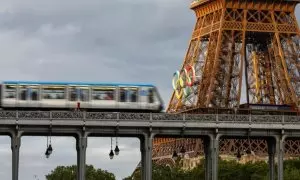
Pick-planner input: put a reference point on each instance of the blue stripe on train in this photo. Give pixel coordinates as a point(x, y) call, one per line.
point(75, 83)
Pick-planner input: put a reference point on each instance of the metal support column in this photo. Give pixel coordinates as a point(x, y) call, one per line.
point(207, 152)
point(148, 152)
point(280, 155)
point(214, 155)
point(271, 152)
point(143, 159)
point(81, 145)
point(15, 147)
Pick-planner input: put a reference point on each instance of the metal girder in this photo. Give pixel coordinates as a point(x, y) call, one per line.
point(261, 37)
point(235, 42)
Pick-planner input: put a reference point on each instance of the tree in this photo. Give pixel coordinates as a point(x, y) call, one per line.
point(228, 170)
point(69, 173)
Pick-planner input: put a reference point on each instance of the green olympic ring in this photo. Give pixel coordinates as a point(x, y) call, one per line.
point(182, 82)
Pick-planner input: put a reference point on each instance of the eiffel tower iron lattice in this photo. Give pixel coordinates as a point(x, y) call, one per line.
point(238, 48)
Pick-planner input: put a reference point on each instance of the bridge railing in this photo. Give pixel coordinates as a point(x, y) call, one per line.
point(215, 118)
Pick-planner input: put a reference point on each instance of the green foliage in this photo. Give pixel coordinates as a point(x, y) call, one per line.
point(292, 169)
point(69, 173)
point(228, 170)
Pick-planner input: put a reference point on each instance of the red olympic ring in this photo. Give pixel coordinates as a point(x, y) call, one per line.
point(182, 82)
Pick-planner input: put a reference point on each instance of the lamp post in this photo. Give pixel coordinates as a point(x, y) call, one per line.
point(117, 150)
point(47, 154)
point(49, 149)
point(111, 154)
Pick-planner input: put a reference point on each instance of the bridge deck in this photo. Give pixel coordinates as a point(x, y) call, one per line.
point(135, 123)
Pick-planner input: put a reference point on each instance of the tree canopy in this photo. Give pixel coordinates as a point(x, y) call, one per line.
point(228, 170)
point(69, 173)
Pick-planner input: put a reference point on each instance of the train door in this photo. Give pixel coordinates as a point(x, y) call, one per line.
point(33, 96)
point(128, 98)
point(151, 98)
point(23, 96)
point(143, 100)
point(83, 93)
point(123, 98)
point(72, 97)
point(132, 98)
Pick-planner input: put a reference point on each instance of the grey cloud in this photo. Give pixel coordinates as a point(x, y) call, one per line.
point(119, 41)
point(147, 37)
point(33, 161)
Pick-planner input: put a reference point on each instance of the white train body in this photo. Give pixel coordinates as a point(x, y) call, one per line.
point(90, 96)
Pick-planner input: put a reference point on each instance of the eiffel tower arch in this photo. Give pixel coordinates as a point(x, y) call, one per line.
point(240, 50)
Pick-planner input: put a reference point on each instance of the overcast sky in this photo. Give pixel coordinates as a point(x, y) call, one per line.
point(92, 40)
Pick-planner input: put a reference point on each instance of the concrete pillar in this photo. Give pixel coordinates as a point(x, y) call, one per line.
point(215, 155)
point(148, 156)
point(81, 145)
point(280, 155)
point(15, 147)
point(143, 159)
point(207, 152)
point(271, 152)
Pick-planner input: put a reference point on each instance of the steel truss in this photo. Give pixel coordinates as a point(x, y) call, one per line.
point(236, 42)
point(241, 48)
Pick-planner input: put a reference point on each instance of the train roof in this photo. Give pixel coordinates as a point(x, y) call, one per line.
point(77, 83)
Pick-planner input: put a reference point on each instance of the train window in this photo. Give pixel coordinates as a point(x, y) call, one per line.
point(53, 92)
point(103, 94)
point(133, 95)
point(10, 91)
point(23, 93)
point(84, 94)
point(122, 95)
point(150, 96)
point(34, 93)
point(72, 94)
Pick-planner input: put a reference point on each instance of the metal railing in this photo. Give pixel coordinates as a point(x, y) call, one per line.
point(216, 118)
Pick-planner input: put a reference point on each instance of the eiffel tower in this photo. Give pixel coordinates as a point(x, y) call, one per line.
point(238, 48)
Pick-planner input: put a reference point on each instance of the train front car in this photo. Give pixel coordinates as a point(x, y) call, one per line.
point(116, 97)
point(156, 103)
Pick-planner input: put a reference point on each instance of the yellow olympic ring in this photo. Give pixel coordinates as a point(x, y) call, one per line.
point(182, 83)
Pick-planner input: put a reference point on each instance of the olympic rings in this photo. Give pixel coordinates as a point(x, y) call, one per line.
point(182, 82)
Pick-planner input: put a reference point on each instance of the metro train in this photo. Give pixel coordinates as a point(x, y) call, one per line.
point(115, 97)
